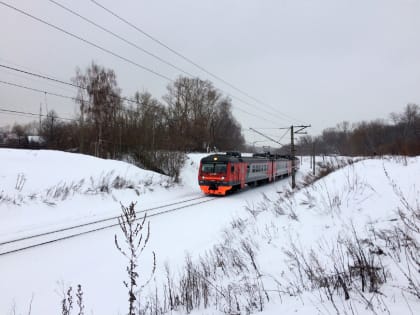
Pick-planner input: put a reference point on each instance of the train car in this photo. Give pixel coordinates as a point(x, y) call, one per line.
point(220, 174)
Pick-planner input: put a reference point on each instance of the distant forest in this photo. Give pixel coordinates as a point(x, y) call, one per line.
point(400, 135)
point(194, 116)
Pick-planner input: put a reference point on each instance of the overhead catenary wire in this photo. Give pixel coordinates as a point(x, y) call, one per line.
point(120, 37)
point(189, 60)
point(16, 113)
point(14, 73)
point(114, 54)
point(83, 87)
point(156, 57)
point(87, 41)
point(29, 114)
point(122, 57)
point(58, 81)
point(73, 98)
point(41, 76)
point(38, 90)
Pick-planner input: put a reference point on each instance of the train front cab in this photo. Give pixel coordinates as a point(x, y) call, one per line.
point(213, 176)
point(219, 175)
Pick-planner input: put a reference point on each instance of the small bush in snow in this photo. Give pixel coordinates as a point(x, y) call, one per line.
point(135, 245)
point(20, 182)
point(402, 242)
point(68, 301)
point(350, 268)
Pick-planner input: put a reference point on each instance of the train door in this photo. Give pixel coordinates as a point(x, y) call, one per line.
point(270, 170)
point(243, 173)
point(234, 173)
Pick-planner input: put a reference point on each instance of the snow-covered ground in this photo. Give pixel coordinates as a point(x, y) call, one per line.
point(44, 190)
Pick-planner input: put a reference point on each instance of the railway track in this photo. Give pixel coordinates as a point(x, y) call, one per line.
point(53, 236)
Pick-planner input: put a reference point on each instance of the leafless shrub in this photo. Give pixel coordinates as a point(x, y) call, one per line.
point(68, 301)
point(20, 182)
point(330, 201)
point(285, 205)
point(402, 241)
point(62, 191)
point(79, 300)
point(253, 210)
point(352, 267)
point(164, 162)
point(261, 206)
point(135, 245)
point(15, 200)
point(226, 277)
point(327, 167)
point(309, 200)
point(238, 224)
point(270, 232)
point(402, 159)
point(326, 199)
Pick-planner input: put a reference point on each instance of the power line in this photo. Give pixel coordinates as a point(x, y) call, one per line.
point(87, 41)
point(116, 55)
point(120, 37)
point(42, 76)
point(82, 87)
point(136, 46)
point(38, 90)
point(57, 81)
point(144, 50)
point(189, 60)
point(29, 114)
point(22, 75)
point(75, 98)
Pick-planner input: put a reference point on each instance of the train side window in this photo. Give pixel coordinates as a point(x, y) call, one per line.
point(232, 169)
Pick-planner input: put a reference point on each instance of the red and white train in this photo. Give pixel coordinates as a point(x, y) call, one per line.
point(223, 173)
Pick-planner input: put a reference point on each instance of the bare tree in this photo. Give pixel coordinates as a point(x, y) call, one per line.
point(100, 104)
point(199, 116)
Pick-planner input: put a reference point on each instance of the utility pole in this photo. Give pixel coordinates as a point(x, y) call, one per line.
point(292, 155)
point(40, 119)
point(313, 158)
point(293, 131)
point(52, 129)
point(82, 126)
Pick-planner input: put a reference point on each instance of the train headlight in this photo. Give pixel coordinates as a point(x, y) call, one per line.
point(202, 177)
point(222, 178)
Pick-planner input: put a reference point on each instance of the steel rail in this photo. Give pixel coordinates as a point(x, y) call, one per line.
point(207, 199)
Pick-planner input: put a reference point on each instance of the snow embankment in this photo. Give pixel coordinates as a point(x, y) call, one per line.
point(345, 244)
point(337, 245)
point(41, 189)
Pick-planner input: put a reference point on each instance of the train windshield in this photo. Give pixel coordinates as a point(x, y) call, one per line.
point(213, 168)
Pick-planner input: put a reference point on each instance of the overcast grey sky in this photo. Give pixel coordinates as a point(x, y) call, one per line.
point(312, 62)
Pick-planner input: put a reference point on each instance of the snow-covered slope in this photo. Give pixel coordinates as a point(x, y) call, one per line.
point(44, 190)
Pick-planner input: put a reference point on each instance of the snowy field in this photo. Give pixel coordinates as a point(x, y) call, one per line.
point(270, 230)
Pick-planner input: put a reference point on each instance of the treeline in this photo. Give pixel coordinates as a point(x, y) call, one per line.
point(193, 116)
point(399, 135)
